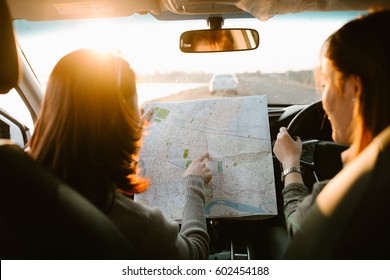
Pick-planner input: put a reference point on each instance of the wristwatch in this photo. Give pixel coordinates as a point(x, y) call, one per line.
point(289, 170)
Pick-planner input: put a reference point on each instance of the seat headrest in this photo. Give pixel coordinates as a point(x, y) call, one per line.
point(42, 218)
point(9, 70)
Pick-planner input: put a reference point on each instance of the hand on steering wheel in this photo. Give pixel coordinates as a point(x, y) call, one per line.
point(320, 157)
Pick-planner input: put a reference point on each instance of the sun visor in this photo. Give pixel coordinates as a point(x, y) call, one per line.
point(263, 10)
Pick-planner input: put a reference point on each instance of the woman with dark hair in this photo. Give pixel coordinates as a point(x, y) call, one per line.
point(89, 133)
point(355, 88)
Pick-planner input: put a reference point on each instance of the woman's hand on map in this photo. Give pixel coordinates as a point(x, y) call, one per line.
point(199, 167)
point(146, 116)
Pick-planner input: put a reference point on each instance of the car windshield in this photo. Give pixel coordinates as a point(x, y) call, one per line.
point(281, 67)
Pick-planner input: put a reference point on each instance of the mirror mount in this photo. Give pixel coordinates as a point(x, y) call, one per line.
point(215, 22)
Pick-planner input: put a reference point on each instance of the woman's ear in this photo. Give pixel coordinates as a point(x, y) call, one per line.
point(352, 87)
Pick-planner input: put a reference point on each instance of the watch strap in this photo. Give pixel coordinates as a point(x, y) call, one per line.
point(290, 170)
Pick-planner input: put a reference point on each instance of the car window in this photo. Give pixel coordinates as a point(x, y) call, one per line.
point(13, 104)
point(281, 68)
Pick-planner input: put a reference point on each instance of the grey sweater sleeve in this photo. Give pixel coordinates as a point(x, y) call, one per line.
point(297, 201)
point(194, 228)
point(154, 236)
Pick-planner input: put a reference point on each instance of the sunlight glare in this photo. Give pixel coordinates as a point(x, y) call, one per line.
point(152, 47)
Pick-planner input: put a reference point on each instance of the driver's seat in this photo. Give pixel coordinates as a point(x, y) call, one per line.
point(350, 218)
point(40, 217)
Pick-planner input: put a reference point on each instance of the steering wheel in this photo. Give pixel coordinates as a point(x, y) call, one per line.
point(321, 157)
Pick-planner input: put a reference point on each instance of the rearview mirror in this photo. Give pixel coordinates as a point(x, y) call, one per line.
point(219, 40)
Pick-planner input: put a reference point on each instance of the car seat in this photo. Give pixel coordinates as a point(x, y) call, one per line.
point(40, 217)
point(350, 218)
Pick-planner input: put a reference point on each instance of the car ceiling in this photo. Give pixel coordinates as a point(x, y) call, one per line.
point(41, 10)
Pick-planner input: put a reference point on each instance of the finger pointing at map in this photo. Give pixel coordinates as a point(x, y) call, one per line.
point(199, 167)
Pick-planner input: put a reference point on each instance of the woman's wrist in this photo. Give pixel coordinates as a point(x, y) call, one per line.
point(292, 174)
point(290, 170)
point(291, 164)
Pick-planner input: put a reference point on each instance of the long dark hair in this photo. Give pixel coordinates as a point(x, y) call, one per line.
point(89, 129)
point(362, 48)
